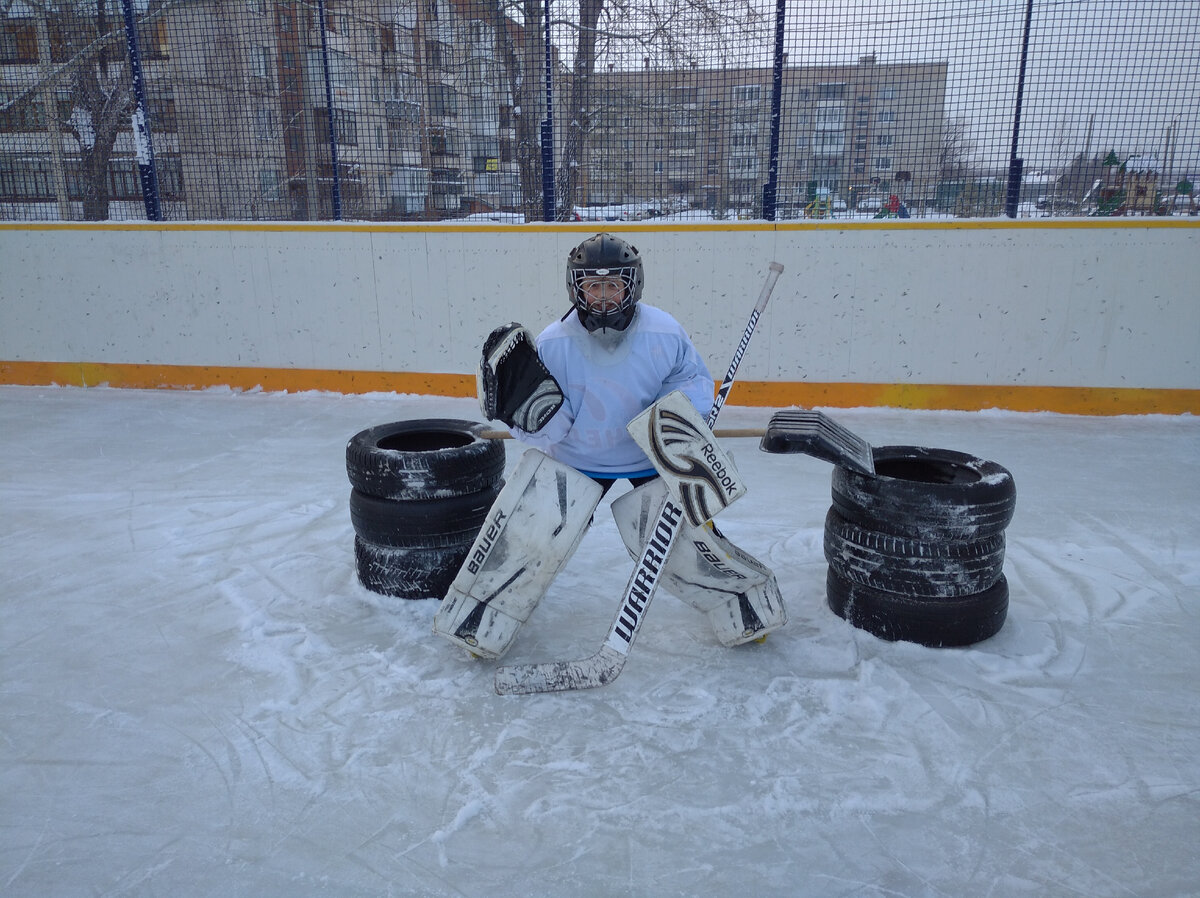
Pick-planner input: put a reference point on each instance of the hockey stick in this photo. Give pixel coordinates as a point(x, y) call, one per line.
point(720, 433)
point(606, 664)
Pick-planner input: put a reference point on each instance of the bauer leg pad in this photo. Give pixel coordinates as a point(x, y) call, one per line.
point(734, 589)
point(529, 534)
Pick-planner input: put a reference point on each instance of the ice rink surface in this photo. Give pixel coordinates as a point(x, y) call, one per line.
point(198, 698)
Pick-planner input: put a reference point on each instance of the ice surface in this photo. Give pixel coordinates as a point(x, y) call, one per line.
point(198, 698)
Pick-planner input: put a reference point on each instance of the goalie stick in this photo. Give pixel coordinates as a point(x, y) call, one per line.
point(606, 664)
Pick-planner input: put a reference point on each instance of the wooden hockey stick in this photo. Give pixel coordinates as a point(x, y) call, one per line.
point(607, 663)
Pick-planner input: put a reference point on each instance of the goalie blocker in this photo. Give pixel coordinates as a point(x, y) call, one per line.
point(699, 475)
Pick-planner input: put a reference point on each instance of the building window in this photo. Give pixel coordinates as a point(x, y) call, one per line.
point(831, 117)
point(683, 140)
point(747, 93)
point(886, 115)
point(746, 140)
point(883, 163)
point(260, 63)
point(264, 123)
point(829, 143)
point(883, 140)
point(268, 182)
point(443, 100)
point(401, 112)
point(18, 42)
point(345, 126)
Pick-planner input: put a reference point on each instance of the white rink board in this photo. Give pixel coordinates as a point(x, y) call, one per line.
point(1037, 304)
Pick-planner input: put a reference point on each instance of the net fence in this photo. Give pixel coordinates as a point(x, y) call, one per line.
point(191, 110)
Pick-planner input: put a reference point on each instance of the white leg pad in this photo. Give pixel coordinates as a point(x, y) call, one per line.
point(530, 532)
point(699, 474)
point(734, 589)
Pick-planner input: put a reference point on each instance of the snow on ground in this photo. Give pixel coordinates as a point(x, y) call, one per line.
point(198, 698)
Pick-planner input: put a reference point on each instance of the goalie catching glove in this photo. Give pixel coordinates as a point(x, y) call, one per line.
point(513, 384)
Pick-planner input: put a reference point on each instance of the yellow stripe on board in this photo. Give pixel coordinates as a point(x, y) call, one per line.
point(965, 397)
point(199, 377)
point(451, 226)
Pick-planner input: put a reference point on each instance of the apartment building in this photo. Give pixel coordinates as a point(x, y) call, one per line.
point(700, 138)
point(244, 122)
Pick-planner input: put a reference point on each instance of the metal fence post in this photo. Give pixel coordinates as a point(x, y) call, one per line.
point(1016, 165)
point(548, 213)
point(769, 192)
point(333, 150)
point(147, 172)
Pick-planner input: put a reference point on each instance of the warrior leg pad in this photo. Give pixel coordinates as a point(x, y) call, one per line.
point(734, 589)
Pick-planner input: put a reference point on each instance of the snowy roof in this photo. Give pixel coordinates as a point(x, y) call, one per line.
point(1142, 164)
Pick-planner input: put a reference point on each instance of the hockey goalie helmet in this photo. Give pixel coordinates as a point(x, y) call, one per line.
point(604, 282)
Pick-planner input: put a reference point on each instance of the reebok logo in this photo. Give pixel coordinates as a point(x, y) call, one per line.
point(718, 469)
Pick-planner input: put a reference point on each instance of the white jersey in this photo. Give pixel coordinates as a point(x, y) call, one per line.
point(607, 384)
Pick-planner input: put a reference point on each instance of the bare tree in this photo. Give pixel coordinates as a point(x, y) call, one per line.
point(101, 101)
point(678, 34)
point(517, 47)
point(578, 95)
point(955, 150)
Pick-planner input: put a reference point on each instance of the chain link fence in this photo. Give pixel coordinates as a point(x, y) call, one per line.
point(187, 110)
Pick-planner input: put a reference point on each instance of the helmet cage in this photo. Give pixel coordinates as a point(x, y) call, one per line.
point(605, 255)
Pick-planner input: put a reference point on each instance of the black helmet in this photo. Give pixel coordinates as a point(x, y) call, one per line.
point(605, 255)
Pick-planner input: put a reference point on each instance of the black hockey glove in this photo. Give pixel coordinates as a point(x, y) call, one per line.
point(513, 384)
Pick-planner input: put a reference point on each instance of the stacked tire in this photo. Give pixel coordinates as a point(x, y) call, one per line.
point(421, 490)
point(916, 553)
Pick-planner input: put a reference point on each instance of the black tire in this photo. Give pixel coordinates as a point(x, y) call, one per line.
point(425, 524)
point(430, 458)
point(900, 564)
point(938, 623)
point(408, 573)
point(927, 494)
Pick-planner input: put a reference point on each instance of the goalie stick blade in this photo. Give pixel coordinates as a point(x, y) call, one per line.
point(604, 666)
point(561, 676)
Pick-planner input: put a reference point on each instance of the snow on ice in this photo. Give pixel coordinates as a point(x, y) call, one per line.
point(198, 698)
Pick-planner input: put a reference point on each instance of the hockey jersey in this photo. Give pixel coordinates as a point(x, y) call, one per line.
point(607, 383)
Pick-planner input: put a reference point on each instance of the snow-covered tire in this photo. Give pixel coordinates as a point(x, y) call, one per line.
point(420, 524)
point(927, 494)
point(914, 567)
point(428, 458)
point(408, 573)
point(934, 622)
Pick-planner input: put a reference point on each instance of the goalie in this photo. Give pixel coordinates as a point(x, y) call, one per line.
point(571, 396)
